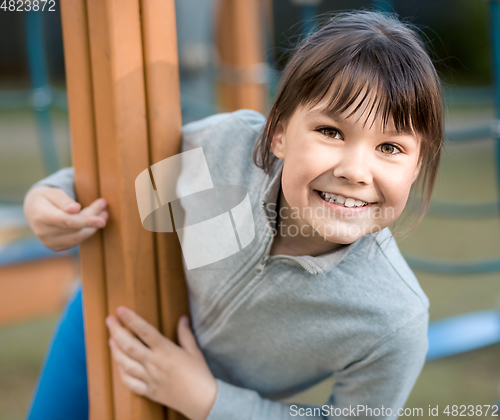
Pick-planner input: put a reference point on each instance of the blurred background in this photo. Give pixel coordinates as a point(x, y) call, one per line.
point(455, 252)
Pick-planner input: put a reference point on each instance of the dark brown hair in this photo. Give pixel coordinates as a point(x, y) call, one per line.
point(378, 56)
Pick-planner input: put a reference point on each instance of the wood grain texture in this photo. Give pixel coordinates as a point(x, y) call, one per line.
point(240, 47)
point(124, 101)
point(84, 156)
point(164, 124)
point(123, 150)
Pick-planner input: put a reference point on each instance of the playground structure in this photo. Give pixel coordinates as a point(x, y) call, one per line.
point(142, 66)
point(118, 73)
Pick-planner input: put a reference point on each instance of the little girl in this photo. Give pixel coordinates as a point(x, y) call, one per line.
point(322, 289)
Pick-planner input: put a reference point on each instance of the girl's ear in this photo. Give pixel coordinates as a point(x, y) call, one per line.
point(277, 143)
point(417, 171)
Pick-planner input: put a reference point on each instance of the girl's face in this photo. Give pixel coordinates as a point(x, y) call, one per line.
point(366, 172)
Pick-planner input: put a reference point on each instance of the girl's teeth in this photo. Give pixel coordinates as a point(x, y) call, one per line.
point(349, 202)
point(340, 199)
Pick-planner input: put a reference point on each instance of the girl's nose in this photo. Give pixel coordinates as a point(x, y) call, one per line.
point(354, 167)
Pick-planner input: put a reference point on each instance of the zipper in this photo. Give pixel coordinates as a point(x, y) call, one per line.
point(254, 273)
point(263, 205)
point(306, 267)
point(309, 269)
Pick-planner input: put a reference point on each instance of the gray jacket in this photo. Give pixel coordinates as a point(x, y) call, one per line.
point(272, 326)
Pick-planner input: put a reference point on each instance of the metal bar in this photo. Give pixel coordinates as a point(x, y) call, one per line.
point(471, 133)
point(309, 13)
point(463, 333)
point(386, 6)
point(460, 210)
point(41, 95)
point(25, 250)
point(495, 46)
point(437, 265)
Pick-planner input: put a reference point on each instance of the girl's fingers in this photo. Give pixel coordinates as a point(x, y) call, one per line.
point(130, 366)
point(61, 200)
point(72, 222)
point(95, 207)
point(91, 216)
point(103, 215)
point(135, 385)
point(66, 241)
point(144, 330)
point(129, 344)
point(185, 335)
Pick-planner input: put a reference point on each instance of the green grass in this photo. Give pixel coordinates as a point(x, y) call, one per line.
point(22, 351)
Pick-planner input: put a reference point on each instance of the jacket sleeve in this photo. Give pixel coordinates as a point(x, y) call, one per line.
point(382, 380)
point(63, 178)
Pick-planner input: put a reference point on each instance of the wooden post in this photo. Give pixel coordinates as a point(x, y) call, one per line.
point(130, 94)
point(84, 156)
point(240, 46)
point(164, 122)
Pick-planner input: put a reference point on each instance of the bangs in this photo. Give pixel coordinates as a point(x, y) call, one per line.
point(374, 89)
point(368, 95)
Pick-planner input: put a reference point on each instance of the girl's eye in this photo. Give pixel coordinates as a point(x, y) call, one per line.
point(390, 149)
point(331, 133)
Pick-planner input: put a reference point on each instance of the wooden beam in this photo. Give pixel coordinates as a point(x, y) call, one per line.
point(124, 101)
point(123, 149)
point(240, 47)
point(164, 125)
point(35, 289)
point(84, 155)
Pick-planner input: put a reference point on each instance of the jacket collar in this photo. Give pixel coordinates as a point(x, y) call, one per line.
point(314, 265)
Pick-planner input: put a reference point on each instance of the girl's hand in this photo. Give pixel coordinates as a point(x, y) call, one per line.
point(58, 220)
point(159, 369)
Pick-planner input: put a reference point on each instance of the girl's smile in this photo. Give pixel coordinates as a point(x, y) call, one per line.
point(340, 208)
point(344, 176)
